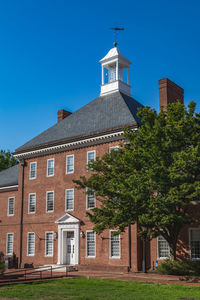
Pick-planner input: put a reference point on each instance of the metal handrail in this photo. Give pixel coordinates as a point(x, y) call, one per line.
point(32, 271)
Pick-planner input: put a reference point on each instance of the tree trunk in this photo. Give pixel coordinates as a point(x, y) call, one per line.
point(173, 248)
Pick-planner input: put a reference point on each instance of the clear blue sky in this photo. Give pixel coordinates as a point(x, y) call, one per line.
point(49, 53)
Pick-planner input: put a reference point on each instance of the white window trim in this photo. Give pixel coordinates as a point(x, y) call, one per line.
point(66, 199)
point(48, 212)
point(73, 164)
point(160, 258)
point(53, 167)
point(30, 213)
point(11, 215)
point(31, 178)
point(94, 241)
point(113, 147)
point(114, 257)
point(190, 254)
point(27, 244)
point(46, 244)
point(7, 243)
point(91, 151)
point(89, 208)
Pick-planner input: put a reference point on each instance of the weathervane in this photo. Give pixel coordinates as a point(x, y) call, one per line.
point(116, 29)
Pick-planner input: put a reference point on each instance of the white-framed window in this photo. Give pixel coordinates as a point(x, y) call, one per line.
point(91, 155)
point(50, 167)
point(70, 164)
point(11, 206)
point(163, 248)
point(48, 243)
point(113, 148)
point(69, 205)
point(195, 244)
point(30, 244)
point(90, 244)
point(33, 170)
point(90, 199)
point(50, 201)
point(31, 203)
point(114, 245)
point(9, 243)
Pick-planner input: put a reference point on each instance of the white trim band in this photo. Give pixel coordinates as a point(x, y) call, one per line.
point(79, 142)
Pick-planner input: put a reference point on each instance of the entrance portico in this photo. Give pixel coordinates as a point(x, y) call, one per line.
point(68, 240)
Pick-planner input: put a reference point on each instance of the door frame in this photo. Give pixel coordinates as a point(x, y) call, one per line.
point(68, 223)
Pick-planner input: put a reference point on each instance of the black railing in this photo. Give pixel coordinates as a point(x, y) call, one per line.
point(40, 272)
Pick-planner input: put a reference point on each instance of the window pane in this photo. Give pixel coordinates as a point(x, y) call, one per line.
point(33, 170)
point(10, 243)
point(70, 199)
point(195, 244)
point(90, 199)
point(163, 248)
point(49, 243)
point(91, 244)
point(50, 201)
point(70, 164)
point(91, 156)
point(11, 206)
point(115, 245)
point(50, 167)
point(31, 243)
point(32, 202)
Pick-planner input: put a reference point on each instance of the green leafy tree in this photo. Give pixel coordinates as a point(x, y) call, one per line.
point(153, 178)
point(6, 160)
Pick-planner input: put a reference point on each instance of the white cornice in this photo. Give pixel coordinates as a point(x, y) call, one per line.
point(9, 187)
point(66, 145)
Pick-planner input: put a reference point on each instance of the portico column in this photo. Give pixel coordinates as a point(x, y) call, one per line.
point(59, 245)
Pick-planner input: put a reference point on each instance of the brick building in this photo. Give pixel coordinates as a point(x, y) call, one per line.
point(42, 216)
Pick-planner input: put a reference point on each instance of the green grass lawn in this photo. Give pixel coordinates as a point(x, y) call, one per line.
point(106, 289)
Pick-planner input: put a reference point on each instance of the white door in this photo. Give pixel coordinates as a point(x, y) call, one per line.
point(70, 248)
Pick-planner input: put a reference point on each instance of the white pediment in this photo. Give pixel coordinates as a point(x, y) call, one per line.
point(67, 219)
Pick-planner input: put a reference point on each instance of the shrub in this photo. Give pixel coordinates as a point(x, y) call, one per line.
point(2, 268)
point(177, 267)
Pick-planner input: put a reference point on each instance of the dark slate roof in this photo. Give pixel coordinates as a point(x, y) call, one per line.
point(9, 176)
point(101, 114)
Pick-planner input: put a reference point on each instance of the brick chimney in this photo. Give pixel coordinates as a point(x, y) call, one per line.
point(169, 92)
point(62, 114)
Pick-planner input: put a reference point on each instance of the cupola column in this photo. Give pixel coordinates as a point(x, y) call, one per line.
point(102, 75)
point(117, 70)
point(128, 76)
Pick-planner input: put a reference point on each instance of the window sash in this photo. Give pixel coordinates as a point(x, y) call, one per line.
point(70, 199)
point(90, 199)
point(70, 164)
point(32, 203)
point(50, 167)
point(10, 240)
point(33, 170)
point(114, 245)
point(91, 244)
point(31, 244)
point(50, 202)
point(195, 244)
point(11, 203)
point(90, 156)
point(49, 244)
point(163, 248)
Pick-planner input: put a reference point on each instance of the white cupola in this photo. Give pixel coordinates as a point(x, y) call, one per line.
point(115, 73)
